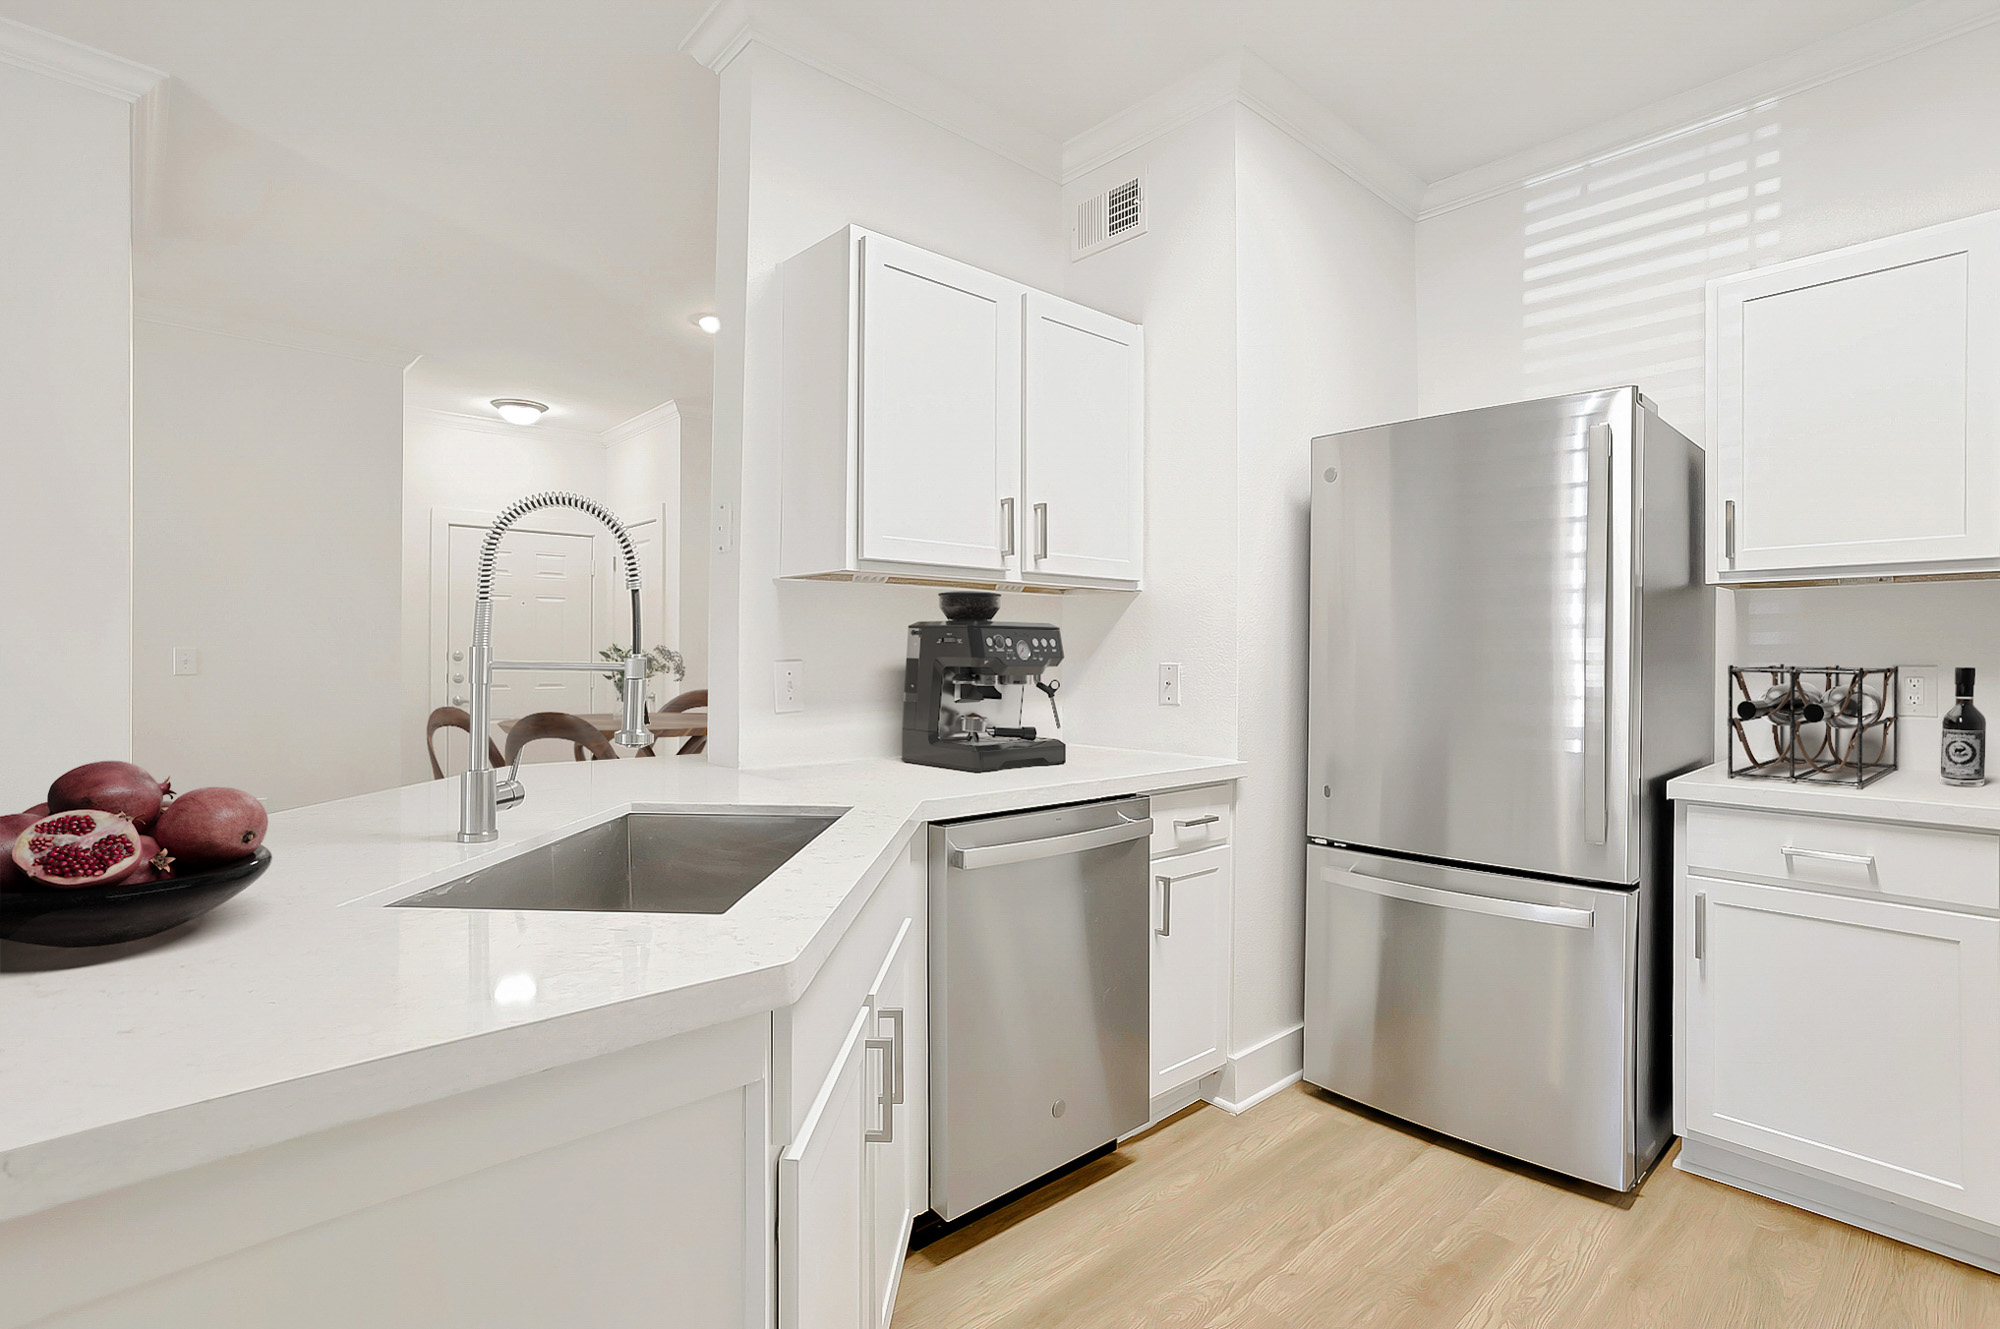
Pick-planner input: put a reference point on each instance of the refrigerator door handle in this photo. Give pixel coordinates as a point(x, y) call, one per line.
point(1562, 916)
point(1596, 612)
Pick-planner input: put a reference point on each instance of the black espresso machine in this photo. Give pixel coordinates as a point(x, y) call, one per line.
point(966, 684)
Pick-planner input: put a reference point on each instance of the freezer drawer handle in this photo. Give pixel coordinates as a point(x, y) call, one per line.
point(1166, 928)
point(1561, 916)
point(1023, 851)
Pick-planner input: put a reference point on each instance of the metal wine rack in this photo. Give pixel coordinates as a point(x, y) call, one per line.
point(1818, 724)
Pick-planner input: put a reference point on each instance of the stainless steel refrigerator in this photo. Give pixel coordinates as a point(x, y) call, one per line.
point(1511, 653)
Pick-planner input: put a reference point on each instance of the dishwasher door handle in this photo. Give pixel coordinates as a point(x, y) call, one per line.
point(1023, 851)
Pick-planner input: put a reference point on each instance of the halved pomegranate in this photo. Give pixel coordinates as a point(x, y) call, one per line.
point(84, 847)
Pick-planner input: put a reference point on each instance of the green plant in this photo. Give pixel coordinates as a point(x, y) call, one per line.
point(659, 660)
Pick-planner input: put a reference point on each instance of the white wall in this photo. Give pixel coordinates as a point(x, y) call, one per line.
point(643, 479)
point(66, 447)
point(1903, 144)
point(267, 483)
point(1326, 321)
point(696, 452)
point(801, 156)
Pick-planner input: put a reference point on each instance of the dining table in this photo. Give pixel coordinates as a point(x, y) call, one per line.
point(688, 725)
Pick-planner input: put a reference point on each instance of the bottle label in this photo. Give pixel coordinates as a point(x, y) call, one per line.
point(1964, 755)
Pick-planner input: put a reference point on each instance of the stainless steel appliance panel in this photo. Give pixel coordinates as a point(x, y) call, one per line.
point(1040, 967)
point(1471, 637)
point(1500, 1010)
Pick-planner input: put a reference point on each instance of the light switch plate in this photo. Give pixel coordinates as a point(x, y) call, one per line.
point(724, 528)
point(1170, 684)
point(788, 678)
point(1917, 687)
point(187, 660)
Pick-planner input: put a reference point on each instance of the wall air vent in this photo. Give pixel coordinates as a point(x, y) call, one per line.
point(1108, 217)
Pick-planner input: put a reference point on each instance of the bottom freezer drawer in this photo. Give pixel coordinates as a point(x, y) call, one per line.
point(1499, 1010)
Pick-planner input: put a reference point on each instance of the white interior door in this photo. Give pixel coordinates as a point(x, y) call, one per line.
point(1083, 451)
point(658, 623)
point(543, 609)
point(940, 409)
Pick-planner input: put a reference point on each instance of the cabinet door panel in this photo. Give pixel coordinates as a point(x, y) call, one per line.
point(1190, 979)
point(1854, 413)
point(896, 1006)
point(940, 409)
point(1083, 469)
point(1854, 1036)
point(823, 1280)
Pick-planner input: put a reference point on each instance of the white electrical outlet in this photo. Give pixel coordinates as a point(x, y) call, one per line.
point(1170, 685)
point(187, 660)
point(1919, 686)
point(789, 679)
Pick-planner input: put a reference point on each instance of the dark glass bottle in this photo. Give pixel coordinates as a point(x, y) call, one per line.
point(1964, 752)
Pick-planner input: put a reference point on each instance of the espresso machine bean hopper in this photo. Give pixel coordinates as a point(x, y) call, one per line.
point(966, 688)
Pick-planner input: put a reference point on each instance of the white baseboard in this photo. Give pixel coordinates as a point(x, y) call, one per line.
point(1260, 1070)
point(1829, 1198)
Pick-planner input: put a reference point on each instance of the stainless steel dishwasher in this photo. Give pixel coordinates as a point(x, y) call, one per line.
point(1040, 958)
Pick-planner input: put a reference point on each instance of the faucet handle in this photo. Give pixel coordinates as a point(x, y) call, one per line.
point(508, 789)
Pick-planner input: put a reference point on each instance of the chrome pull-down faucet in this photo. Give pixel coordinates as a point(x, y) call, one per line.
point(482, 791)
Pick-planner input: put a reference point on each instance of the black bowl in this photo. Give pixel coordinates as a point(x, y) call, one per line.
point(968, 606)
point(107, 915)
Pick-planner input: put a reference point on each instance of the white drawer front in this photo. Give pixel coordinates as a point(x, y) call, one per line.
point(1191, 819)
point(1910, 862)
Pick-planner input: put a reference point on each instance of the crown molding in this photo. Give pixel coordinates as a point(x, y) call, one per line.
point(730, 27)
point(1243, 79)
point(1859, 48)
point(664, 413)
point(243, 328)
point(73, 62)
point(487, 424)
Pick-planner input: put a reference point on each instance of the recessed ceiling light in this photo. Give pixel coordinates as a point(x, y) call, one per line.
point(708, 323)
point(518, 411)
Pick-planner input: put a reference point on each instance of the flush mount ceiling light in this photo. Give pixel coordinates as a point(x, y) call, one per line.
point(708, 323)
point(518, 411)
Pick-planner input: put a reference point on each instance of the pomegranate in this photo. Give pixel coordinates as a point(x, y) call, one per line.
point(155, 863)
point(211, 826)
point(84, 847)
point(38, 811)
point(110, 786)
point(11, 876)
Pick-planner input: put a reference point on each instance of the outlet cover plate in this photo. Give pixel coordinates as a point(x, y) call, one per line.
point(788, 680)
point(1918, 688)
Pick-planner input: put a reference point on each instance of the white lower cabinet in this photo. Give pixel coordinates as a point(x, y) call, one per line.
point(1190, 979)
point(854, 1174)
point(1854, 1036)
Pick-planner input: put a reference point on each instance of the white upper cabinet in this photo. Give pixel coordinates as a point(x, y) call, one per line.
point(940, 409)
point(1083, 453)
point(1854, 411)
point(944, 424)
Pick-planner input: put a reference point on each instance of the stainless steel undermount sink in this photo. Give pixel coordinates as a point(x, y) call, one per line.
point(643, 862)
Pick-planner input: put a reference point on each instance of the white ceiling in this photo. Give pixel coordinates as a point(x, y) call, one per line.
point(523, 191)
point(1440, 85)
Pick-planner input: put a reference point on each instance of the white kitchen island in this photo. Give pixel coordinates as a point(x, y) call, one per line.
point(313, 1110)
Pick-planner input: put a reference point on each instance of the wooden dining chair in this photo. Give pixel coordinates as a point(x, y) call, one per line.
point(687, 701)
point(452, 717)
point(573, 729)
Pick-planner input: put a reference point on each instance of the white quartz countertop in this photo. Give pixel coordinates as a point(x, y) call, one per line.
point(304, 1003)
point(1907, 794)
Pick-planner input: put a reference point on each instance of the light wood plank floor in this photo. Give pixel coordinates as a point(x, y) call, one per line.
point(1306, 1211)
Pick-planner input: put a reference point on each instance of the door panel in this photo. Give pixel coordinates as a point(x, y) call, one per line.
point(940, 408)
point(895, 1164)
point(1495, 1009)
point(1471, 614)
point(823, 1280)
point(543, 609)
point(1190, 981)
point(1855, 1036)
point(1083, 446)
